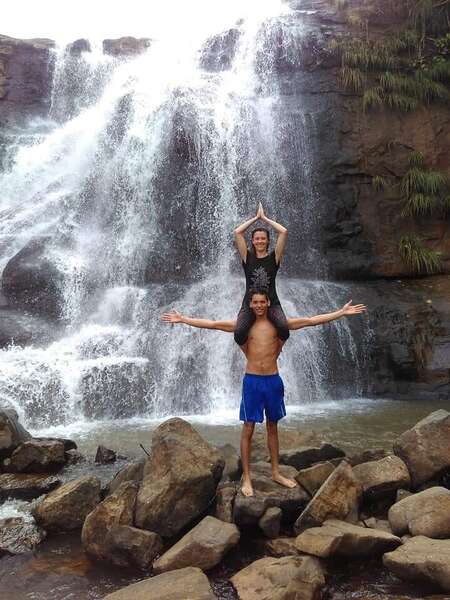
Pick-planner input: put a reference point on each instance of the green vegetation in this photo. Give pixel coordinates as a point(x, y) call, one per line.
point(407, 68)
point(418, 257)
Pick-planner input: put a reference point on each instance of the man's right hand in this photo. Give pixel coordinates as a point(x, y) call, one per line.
point(172, 317)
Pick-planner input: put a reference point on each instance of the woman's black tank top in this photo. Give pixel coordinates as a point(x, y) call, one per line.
point(260, 273)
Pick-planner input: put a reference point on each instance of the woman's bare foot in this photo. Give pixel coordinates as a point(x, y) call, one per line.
point(289, 483)
point(246, 488)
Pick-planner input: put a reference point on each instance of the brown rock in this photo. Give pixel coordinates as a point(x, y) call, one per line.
point(282, 546)
point(183, 584)
point(305, 456)
point(337, 498)
point(338, 538)
point(116, 509)
point(383, 477)
point(421, 559)
point(38, 457)
point(21, 486)
point(367, 456)
point(127, 546)
point(180, 479)
point(232, 469)
point(425, 513)
point(132, 472)
point(67, 507)
point(203, 547)
point(425, 447)
point(268, 494)
point(402, 494)
point(105, 455)
point(288, 438)
point(18, 535)
point(270, 522)
point(381, 524)
point(286, 578)
point(12, 434)
point(225, 495)
point(312, 478)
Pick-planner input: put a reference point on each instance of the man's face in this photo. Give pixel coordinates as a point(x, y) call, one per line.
point(259, 304)
point(260, 241)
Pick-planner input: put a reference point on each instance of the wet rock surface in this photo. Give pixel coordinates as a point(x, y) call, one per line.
point(300, 458)
point(38, 456)
point(127, 546)
point(12, 434)
point(26, 486)
point(18, 535)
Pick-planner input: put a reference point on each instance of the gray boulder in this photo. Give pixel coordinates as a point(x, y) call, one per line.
point(383, 477)
point(425, 513)
point(203, 547)
point(337, 498)
point(127, 546)
point(286, 578)
point(18, 535)
point(12, 434)
point(421, 559)
point(180, 479)
point(67, 507)
point(337, 538)
point(38, 456)
point(183, 584)
point(305, 456)
point(268, 494)
point(21, 486)
point(425, 447)
point(116, 509)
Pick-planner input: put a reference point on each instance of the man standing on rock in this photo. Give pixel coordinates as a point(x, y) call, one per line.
point(262, 389)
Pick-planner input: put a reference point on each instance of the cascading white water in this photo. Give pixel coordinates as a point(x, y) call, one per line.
point(148, 165)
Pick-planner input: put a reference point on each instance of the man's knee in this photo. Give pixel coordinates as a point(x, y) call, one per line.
point(247, 429)
point(272, 426)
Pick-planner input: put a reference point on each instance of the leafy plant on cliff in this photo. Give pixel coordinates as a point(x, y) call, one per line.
point(425, 191)
point(418, 257)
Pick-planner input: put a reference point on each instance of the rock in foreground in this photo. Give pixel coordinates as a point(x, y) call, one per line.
point(18, 535)
point(425, 513)
point(286, 578)
point(22, 486)
point(183, 584)
point(345, 539)
point(180, 479)
point(203, 547)
point(382, 477)
point(421, 559)
point(425, 447)
point(127, 546)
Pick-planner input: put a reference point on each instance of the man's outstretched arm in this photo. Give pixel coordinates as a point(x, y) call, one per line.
point(347, 310)
point(176, 317)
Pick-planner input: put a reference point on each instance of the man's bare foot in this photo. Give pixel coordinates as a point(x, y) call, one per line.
point(246, 488)
point(289, 483)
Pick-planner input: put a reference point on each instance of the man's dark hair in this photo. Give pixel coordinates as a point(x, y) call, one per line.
point(266, 231)
point(261, 291)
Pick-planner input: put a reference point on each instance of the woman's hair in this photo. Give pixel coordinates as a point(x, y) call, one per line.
point(266, 231)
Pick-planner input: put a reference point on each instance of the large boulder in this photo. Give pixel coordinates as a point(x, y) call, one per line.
point(31, 281)
point(337, 498)
point(285, 578)
point(116, 509)
point(183, 584)
point(131, 472)
point(38, 456)
point(383, 477)
point(127, 546)
point(425, 513)
point(269, 494)
point(425, 447)
point(180, 479)
point(21, 486)
point(305, 456)
point(345, 539)
point(421, 559)
point(203, 547)
point(312, 478)
point(18, 535)
point(67, 507)
point(12, 434)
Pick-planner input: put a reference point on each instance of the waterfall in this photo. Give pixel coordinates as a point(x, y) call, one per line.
point(133, 188)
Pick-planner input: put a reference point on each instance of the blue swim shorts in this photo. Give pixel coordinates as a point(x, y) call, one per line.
point(262, 393)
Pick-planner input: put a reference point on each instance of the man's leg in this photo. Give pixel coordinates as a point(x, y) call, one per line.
point(246, 440)
point(272, 443)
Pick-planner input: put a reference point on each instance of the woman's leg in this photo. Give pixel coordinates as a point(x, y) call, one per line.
point(244, 321)
point(276, 315)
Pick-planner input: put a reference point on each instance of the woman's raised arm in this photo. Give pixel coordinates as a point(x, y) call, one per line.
point(239, 238)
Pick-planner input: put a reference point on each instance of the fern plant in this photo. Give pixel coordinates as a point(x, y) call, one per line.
point(424, 191)
point(419, 258)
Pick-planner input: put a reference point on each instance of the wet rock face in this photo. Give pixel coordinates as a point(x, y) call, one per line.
point(18, 536)
point(36, 456)
point(218, 52)
point(23, 329)
point(126, 46)
point(127, 546)
point(26, 69)
point(25, 486)
point(12, 434)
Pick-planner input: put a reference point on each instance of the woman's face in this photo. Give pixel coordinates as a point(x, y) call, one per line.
point(260, 241)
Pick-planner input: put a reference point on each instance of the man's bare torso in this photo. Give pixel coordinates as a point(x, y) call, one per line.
point(262, 348)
